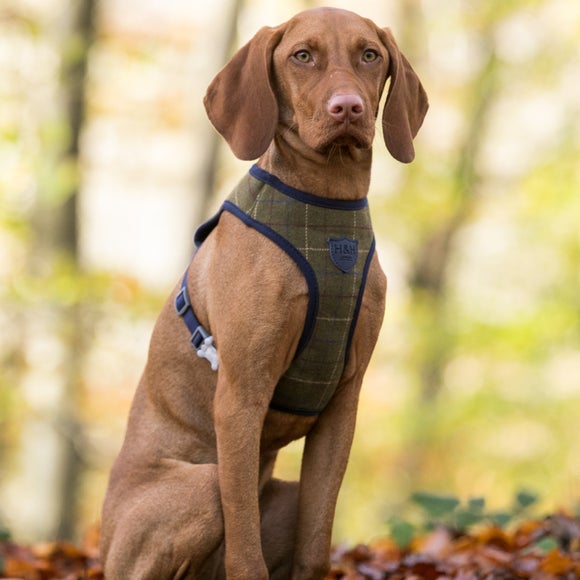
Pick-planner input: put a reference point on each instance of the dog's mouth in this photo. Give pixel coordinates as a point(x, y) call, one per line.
point(346, 136)
point(336, 138)
point(347, 141)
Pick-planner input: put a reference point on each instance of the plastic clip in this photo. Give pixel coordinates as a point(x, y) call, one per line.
point(208, 351)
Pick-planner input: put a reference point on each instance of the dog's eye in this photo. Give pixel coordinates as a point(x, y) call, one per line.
point(370, 55)
point(303, 56)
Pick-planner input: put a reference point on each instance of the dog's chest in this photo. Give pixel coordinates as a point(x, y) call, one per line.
point(332, 243)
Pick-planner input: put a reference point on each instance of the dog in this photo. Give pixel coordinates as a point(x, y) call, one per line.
point(267, 337)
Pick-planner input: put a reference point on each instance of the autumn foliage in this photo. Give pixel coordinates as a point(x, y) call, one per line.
point(51, 560)
point(546, 549)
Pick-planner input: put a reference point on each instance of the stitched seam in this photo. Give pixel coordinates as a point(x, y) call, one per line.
point(306, 232)
point(310, 382)
point(354, 281)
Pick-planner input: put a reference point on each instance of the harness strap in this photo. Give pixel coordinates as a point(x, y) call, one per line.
point(201, 340)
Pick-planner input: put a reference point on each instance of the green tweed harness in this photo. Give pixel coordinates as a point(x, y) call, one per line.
point(332, 243)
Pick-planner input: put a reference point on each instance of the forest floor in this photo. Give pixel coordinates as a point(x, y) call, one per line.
point(537, 549)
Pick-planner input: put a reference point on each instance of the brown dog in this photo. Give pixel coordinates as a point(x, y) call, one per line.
point(293, 296)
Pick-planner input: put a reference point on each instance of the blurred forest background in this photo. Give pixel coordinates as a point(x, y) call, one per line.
point(107, 165)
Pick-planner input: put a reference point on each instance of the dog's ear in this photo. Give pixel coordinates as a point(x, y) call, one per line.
point(240, 101)
point(406, 103)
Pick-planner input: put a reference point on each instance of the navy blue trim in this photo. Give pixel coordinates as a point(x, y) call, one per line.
point(185, 311)
point(360, 297)
point(299, 259)
point(344, 204)
point(294, 411)
point(205, 229)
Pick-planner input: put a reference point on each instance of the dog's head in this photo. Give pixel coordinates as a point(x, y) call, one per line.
point(319, 76)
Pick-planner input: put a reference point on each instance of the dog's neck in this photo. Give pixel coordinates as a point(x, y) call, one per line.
point(344, 173)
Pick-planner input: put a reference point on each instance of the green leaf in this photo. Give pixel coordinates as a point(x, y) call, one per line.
point(546, 545)
point(500, 519)
point(476, 504)
point(464, 519)
point(436, 505)
point(526, 499)
point(402, 532)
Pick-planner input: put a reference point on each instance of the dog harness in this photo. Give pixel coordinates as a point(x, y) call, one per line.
point(332, 243)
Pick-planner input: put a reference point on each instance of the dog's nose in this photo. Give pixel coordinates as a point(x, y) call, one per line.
point(348, 107)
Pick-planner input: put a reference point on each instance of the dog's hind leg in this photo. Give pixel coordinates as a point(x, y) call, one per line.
point(168, 528)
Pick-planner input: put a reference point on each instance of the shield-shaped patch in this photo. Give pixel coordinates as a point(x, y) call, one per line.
point(343, 253)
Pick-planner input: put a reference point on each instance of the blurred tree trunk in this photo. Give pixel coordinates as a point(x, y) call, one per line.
point(431, 265)
point(412, 34)
point(214, 140)
point(52, 436)
point(429, 271)
point(75, 61)
point(432, 262)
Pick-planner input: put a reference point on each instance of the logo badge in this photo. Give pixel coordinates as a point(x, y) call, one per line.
point(343, 253)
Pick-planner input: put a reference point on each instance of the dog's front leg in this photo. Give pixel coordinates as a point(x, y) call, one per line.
point(323, 465)
point(238, 424)
point(328, 443)
point(249, 287)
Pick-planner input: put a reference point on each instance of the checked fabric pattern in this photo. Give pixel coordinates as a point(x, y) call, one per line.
point(332, 242)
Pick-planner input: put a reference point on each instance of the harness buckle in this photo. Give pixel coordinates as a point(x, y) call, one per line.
point(199, 335)
point(201, 340)
point(182, 301)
